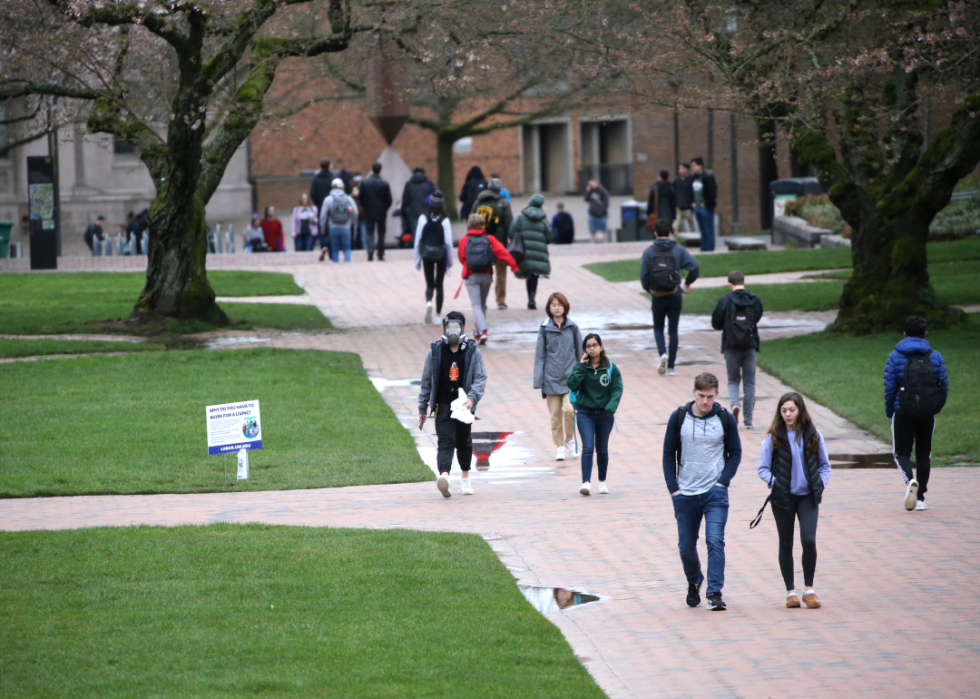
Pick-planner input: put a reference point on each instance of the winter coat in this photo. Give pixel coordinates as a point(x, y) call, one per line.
point(325, 210)
point(597, 389)
point(474, 375)
point(536, 231)
point(501, 210)
point(375, 198)
point(297, 221)
point(498, 250)
point(272, 231)
point(447, 239)
point(662, 201)
point(682, 257)
point(416, 191)
point(564, 227)
point(475, 183)
point(321, 186)
point(743, 299)
point(683, 194)
point(555, 356)
point(895, 370)
point(709, 189)
point(598, 202)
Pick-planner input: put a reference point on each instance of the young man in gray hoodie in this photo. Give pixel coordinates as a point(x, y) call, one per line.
point(660, 271)
point(737, 315)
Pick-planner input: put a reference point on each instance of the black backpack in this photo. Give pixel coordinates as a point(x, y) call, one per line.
point(740, 328)
point(662, 278)
point(479, 254)
point(432, 244)
point(921, 393)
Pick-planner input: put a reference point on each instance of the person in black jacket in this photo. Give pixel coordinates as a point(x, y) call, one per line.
point(375, 202)
point(475, 183)
point(684, 199)
point(704, 190)
point(737, 315)
point(414, 200)
point(661, 200)
point(563, 225)
point(319, 189)
point(94, 232)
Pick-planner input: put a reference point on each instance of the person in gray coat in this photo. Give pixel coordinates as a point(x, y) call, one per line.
point(559, 342)
point(535, 229)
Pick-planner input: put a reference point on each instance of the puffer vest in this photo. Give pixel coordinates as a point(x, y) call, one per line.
point(782, 470)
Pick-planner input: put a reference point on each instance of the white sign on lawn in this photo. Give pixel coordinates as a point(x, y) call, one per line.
point(234, 426)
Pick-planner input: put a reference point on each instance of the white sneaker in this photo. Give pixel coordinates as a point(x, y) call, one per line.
point(671, 372)
point(570, 448)
point(467, 488)
point(911, 493)
point(586, 488)
point(428, 313)
point(442, 483)
point(921, 505)
point(560, 456)
point(662, 369)
point(603, 490)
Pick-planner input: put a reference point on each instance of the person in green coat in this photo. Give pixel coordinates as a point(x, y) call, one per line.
point(598, 388)
point(535, 229)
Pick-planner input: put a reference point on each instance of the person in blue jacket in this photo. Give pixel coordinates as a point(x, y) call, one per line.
point(912, 401)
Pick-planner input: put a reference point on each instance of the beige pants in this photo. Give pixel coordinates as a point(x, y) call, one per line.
point(500, 281)
point(685, 221)
point(562, 416)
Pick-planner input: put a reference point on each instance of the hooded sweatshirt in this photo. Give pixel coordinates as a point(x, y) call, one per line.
point(536, 231)
point(414, 195)
point(325, 210)
point(895, 370)
point(682, 257)
point(742, 299)
point(704, 455)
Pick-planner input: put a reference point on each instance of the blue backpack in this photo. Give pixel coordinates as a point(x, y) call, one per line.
point(573, 395)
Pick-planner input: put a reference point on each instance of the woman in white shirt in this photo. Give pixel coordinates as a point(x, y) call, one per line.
point(304, 224)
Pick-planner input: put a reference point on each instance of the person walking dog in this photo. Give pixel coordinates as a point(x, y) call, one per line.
point(558, 345)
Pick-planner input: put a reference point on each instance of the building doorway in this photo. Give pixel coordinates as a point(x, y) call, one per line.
point(547, 155)
point(606, 154)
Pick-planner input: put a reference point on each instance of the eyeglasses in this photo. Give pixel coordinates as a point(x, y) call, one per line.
point(588, 347)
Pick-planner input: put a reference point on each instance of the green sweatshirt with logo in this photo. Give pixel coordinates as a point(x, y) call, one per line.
point(598, 389)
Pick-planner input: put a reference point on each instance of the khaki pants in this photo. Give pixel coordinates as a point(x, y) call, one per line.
point(500, 281)
point(562, 416)
point(685, 221)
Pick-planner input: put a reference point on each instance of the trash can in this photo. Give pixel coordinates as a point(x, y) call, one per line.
point(44, 249)
point(5, 228)
point(633, 215)
point(782, 191)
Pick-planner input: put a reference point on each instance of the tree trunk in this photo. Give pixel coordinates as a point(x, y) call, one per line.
point(768, 169)
point(446, 173)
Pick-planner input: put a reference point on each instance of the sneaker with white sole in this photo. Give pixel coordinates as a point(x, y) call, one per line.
point(570, 448)
point(911, 493)
point(428, 313)
point(921, 505)
point(467, 488)
point(603, 490)
point(671, 372)
point(442, 483)
point(716, 603)
point(586, 488)
point(662, 369)
point(560, 456)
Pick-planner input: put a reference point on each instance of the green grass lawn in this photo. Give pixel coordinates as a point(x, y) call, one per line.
point(31, 348)
point(770, 261)
point(135, 423)
point(845, 374)
point(75, 301)
point(240, 610)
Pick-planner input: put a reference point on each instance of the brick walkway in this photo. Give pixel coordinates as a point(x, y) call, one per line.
point(896, 621)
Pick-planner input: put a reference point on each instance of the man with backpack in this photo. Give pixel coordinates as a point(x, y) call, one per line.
point(497, 214)
point(702, 451)
point(660, 275)
point(479, 252)
point(916, 387)
point(737, 315)
point(338, 216)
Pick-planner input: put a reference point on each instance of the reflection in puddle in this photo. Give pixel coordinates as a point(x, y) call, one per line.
point(548, 600)
point(485, 444)
point(863, 461)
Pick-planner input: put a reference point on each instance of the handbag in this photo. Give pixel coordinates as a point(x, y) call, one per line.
point(651, 219)
point(516, 247)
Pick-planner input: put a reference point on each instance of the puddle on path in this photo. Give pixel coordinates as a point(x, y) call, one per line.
point(381, 383)
point(549, 600)
point(863, 461)
point(221, 342)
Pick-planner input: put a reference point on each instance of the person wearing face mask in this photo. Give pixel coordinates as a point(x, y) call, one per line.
point(795, 465)
point(453, 363)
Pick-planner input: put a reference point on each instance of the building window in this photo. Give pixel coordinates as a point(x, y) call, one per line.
point(121, 147)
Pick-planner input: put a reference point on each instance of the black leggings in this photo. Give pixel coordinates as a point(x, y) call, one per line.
point(434, 274)
point(532, 288)
point(807, 511)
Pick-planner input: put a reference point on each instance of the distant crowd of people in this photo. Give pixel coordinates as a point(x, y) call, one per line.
point(692, 196)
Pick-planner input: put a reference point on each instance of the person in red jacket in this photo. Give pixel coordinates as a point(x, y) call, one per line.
point(272, 230)
point(478, 252)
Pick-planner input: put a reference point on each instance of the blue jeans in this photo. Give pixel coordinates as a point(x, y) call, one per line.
point(598, 224)
point(339, 238)
point(594, 427)
point(688, 511)
point(667, 308)
point(303, 243)
point(706, 223)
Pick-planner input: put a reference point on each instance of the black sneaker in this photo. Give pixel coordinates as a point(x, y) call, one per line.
point(716, 603)
point(693, 595)
point(531, 306)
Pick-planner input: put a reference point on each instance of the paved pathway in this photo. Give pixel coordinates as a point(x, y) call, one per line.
point(899, 619)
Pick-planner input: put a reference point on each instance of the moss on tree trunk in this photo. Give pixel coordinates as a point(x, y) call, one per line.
point(447, 173)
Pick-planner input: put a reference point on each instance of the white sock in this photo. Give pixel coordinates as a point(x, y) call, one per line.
point(809, 592)
point(791, 594)
point(465, 480)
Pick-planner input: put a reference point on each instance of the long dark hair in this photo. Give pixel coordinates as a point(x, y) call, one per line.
point(803, 422)
point(434, 213)
point(603, 360)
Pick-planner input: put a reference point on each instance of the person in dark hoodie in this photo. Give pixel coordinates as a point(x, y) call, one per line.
point(702, 452)
point(916, 388)
point(322, 183)
point(737, 315)
point(535, 229)
point(661, 200)
point(497, 214)
point(660, 271)
point(564, 226)
point(414, 200)
point(474, 184)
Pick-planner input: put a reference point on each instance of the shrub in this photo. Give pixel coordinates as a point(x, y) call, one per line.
point(960, 218)
point(818, 211)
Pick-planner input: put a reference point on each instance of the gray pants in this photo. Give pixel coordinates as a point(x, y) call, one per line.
point(478, 287)
point(741, 367)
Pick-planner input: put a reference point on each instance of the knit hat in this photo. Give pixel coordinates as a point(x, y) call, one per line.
point(337, 183)
point(476, 222)
point(537, 201)
point(437, 199)
point(495, 185)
